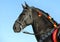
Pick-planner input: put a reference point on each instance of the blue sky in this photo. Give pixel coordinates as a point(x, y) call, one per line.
point(11, 9)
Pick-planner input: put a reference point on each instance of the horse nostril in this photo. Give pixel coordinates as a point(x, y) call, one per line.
point(15, 28)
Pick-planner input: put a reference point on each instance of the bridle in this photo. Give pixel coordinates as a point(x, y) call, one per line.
point(19, 24)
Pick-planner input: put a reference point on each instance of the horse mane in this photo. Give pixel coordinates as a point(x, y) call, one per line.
point(47, 14)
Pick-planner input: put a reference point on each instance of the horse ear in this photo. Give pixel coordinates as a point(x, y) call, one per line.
point(23, 6)
point(26, 4)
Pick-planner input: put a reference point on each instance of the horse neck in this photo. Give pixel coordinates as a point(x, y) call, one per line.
point(41, 24)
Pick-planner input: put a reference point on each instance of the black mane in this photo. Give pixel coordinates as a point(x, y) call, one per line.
point(44, 13)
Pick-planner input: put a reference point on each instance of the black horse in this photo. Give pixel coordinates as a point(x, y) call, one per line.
point(42, 24)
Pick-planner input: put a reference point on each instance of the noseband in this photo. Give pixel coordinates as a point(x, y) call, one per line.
point(22, 21)
point(19, 24)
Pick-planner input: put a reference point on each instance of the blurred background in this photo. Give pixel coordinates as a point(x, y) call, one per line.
point(11, 9)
